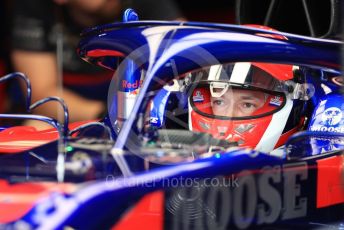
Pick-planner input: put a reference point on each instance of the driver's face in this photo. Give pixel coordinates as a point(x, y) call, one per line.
point(237, 103)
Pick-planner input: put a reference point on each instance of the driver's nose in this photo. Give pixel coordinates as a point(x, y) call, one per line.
point(230, 108)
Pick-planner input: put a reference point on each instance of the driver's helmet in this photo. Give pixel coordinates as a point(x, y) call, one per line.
point(258, 105)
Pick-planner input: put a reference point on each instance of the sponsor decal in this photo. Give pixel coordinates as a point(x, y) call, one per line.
point(276, 101)
point(222, 130)
point(131, 85)
point(154, 120)
point(331, 116)
point(204, 126)
point(198, 97)
point(330, 121)
point(244, 128)
point(275, 194)
point(327, 129)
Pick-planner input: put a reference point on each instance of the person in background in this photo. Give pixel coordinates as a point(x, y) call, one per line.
point(37, 26)
point(4, 100)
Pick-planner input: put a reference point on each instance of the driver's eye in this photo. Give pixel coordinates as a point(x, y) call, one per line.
point(248, 105)
point(218, 102)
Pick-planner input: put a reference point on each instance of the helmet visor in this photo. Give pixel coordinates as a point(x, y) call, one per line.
point(224, 101)
point(244, 74)
point(237, 91)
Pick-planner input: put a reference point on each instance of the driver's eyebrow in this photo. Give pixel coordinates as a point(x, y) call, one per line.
point(249, 98)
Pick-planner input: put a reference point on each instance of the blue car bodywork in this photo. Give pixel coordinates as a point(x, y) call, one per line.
point(303, 188)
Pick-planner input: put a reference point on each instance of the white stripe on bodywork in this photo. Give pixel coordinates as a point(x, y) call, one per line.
point(275, 128)
point(240, 72)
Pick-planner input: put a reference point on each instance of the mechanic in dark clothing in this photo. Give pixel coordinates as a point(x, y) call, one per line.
point(36, 29)
point(4, 99)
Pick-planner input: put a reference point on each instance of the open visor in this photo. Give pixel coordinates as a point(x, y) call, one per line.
point(258, 75)
point(264, 76)
point(224, 101)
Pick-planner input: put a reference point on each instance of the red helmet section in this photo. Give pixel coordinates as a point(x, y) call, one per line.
point(247, 131)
